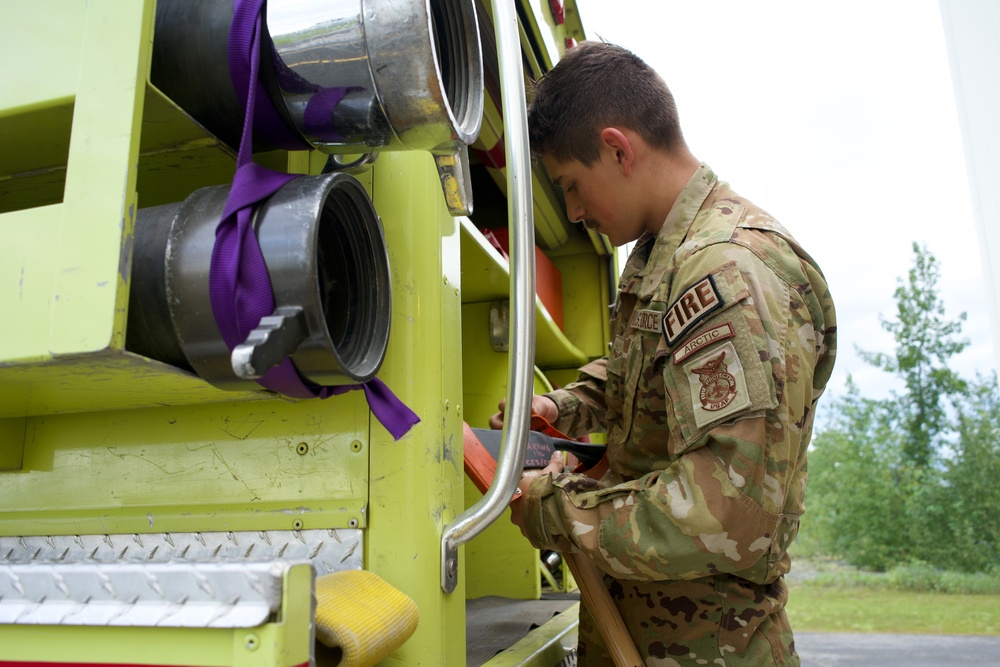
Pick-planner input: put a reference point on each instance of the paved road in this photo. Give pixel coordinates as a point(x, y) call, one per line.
point(819, 649)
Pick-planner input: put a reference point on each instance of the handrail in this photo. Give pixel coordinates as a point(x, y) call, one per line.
point(514, 438)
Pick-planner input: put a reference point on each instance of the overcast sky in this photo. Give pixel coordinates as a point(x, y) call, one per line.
point(839, 118)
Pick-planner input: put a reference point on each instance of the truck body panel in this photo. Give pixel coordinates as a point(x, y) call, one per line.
point(117, 464)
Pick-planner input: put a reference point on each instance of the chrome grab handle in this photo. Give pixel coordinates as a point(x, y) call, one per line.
point(514, 442)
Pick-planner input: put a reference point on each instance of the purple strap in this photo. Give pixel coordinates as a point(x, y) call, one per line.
point(239, 285)
point(319, 111)
point(244, 56)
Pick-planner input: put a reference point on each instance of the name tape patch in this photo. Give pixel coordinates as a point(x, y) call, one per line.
point(646, 320)
point(690, 308)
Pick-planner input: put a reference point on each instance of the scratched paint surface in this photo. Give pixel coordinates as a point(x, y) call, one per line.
point(228, 466)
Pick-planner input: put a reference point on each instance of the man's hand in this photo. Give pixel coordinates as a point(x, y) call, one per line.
point(542, 405)
point(517, 505)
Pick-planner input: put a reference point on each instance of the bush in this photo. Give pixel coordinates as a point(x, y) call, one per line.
point(914, 578)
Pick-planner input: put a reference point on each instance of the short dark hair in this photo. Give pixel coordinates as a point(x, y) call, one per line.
point(598, 85)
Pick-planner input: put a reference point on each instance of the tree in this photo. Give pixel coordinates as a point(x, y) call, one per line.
point(859, 485)
point(970, 494)
point(925, 342)
point(911, 478)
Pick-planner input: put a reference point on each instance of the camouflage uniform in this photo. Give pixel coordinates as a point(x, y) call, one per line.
point(723, 339)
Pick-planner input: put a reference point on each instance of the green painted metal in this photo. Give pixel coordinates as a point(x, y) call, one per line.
point(180, 647)
point(92, 141)
point(417, 482)
point(35, 173)
point(499, 560)
point(70, 298)
point(11, 443)
point(105, 380)
point(486, 278)
point(232, 466)
point(586, 311)
point(544, 646)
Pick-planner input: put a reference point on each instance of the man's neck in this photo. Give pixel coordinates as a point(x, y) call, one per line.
point(668, 174)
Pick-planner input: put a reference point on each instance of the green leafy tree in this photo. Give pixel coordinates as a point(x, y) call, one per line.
point(859, 485)
point(911, 478)
point(925, 342)
point(968, 522)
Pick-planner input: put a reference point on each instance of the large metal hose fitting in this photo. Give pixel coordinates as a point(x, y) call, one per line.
point(410, 72)
point(326, 257)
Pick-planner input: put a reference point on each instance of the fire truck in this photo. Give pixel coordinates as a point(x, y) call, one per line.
point(262, 263)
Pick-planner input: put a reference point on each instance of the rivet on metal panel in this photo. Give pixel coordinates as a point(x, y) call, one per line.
point(356, 446)
point(297, 524)
point(251, 642)
point(353, 523)
point(302, 448)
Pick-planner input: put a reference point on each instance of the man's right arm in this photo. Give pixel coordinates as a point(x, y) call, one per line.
point(576, 409)
point(581, 404)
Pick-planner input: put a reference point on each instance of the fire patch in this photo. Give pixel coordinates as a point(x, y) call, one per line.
point(718, 385)
point(690, 308)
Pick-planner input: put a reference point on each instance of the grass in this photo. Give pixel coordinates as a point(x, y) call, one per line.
point(821, 608)
point(827, 596)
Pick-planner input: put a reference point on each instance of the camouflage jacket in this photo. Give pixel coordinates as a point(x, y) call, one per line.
point(724, 337)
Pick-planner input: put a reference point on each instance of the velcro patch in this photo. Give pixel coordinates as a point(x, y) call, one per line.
point(646, 320)
point(713, 335)
point(616, 358)
point(718, 385)
point(690, 308)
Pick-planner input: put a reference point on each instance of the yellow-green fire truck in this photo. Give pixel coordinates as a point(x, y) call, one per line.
point(162, 502)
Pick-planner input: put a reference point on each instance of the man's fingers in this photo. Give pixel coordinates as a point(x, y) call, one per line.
point(556, 463)
point(544, 406)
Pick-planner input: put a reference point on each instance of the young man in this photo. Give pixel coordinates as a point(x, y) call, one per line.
point(723, 338)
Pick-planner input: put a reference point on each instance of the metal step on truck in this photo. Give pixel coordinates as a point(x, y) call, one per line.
point(260, 265)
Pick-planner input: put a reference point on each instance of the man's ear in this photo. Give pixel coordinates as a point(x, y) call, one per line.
point(615, 140)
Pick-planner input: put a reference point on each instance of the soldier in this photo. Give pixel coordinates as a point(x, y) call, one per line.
point(723, 338)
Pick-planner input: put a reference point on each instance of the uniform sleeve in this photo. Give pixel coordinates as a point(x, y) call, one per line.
point(685, 522)
point(581, 404)
point(736, 446)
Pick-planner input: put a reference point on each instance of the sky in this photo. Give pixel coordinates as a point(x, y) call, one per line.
point(839, 119)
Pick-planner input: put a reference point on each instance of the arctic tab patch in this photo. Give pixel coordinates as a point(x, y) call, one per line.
point(690, 308)
point(646, 320)
point(713, 335)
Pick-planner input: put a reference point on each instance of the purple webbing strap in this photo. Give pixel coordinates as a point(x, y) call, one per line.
point(243, 53)
point(239, 285)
